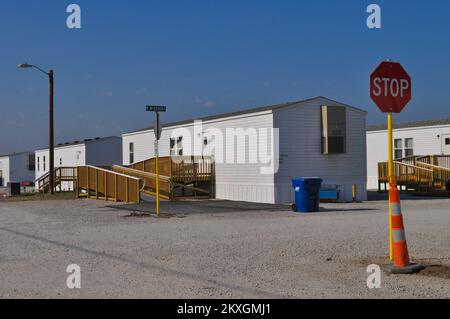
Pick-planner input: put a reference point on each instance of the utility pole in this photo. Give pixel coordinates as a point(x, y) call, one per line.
point(51, 135)
point(51, 131)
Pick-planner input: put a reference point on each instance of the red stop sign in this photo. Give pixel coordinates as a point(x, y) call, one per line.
point(390, 87)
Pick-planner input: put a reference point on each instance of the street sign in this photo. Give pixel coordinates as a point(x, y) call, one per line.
point(390, 87)
point(155, 108)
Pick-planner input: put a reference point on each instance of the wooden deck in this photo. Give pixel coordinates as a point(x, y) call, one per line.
point(180, 176)
point(424, 174)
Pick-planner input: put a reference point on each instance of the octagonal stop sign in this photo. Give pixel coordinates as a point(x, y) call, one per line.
point(390, 87)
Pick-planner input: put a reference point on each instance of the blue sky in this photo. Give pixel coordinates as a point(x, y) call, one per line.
point(203, 57)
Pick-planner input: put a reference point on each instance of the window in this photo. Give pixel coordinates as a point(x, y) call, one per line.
point(31, 162)
point(131, 148)
point(176, 146)
point(38, 164)
point(447, 141)
point(334, 129)
point(60, 161)
point(409, 147)
point(398, 148)
point(43, 162)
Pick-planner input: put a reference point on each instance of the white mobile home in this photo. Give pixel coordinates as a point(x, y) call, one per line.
point(430, 137)
point(16, 168)
point(104, 151)
point(258, 151)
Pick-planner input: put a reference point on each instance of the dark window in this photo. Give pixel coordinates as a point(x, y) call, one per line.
point(409, 147)
point(31, 162)
point(398, 148)
point(334, 129)
point(131, 153)
point(43, 162)
point(447, 141)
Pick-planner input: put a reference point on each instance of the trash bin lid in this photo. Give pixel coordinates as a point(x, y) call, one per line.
point(307, 179)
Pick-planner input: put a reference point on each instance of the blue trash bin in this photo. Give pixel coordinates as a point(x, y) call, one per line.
point(307, 194)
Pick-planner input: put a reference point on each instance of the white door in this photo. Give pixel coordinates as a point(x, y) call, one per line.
point(445, 140)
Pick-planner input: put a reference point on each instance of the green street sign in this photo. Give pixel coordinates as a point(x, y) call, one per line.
point(155, 108)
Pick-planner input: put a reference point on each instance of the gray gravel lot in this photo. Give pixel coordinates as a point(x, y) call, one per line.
point(217, 249)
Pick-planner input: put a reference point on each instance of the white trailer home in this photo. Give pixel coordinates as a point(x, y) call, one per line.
point(104, 151)
point(258, 151)
point(430, 137)
point(16, 168)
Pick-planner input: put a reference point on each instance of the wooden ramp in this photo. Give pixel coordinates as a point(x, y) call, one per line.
point(179, 177)
point(425, 174)
point(98, 183)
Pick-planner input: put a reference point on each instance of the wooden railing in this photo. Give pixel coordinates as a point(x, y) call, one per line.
point(436, 160)
point(180, 168)
point(440, 174)
point(98, 183)
point(192, 168)
point(190, 174)
point(60, 174)
point(148, 181)
point(418, 172)
point(406, 174)
point(410, 160)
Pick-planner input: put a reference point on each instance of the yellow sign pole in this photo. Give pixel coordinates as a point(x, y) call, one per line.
point(157, 131)
point(390, 174)
point(157, 178)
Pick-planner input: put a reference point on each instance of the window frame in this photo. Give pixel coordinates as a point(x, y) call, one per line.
point(398, 149)
point(131, 152)
point(406, 148)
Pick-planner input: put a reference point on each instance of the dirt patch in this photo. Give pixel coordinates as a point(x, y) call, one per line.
point(39, 197)
point(150, 215)
point(433, 267)
point(436, 271)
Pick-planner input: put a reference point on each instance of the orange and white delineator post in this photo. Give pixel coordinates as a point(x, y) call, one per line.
point(401, 264)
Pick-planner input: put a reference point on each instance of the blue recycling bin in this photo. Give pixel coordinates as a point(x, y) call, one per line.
point(307, 194)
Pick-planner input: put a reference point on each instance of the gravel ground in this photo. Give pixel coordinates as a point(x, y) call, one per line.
point(217, 249)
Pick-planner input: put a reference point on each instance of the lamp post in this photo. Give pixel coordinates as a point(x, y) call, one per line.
point(51, 124)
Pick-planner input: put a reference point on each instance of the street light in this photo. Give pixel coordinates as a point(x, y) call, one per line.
point(51, 128)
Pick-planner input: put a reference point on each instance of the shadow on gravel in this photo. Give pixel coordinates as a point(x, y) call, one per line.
point(331, 210)
point(384, 196)
point(191, 207)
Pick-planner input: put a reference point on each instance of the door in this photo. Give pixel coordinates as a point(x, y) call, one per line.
point(445, 146)
point(78, 159)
